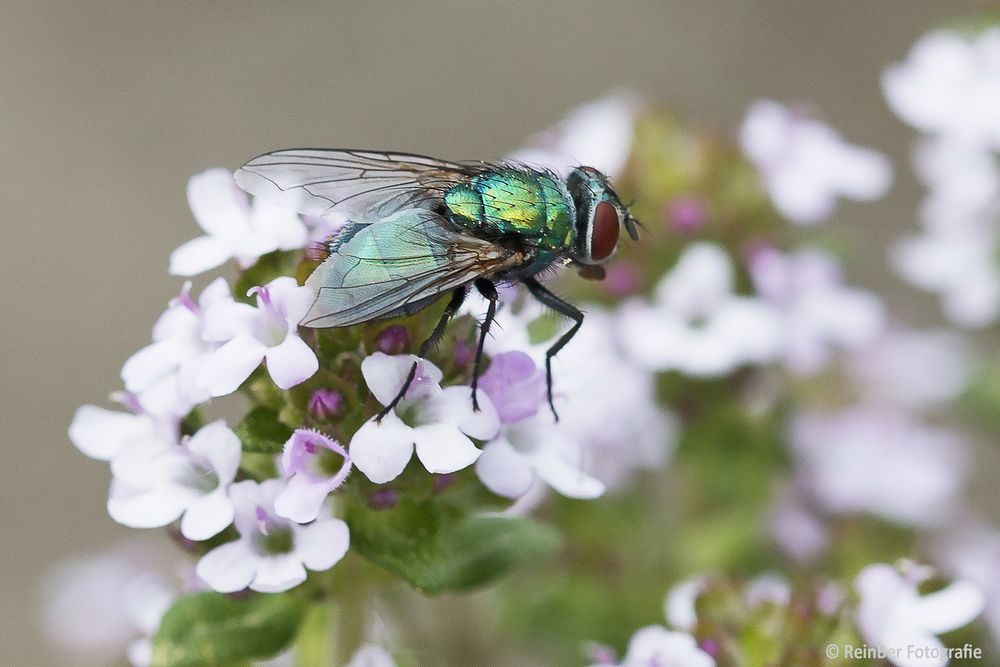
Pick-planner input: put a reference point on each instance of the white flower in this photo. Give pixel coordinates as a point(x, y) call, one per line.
point(655, 646)
point(597, 134)
point(101, 433)
point(972, 552)
point(315, 465)
point(894, 616)
point(437, 422)
point(961, 266)
point(806, 165)
point(268, 333)
point(698, 325)
point(914, 368)
point(950, 84)
point(157, 481)
point(532, 449)
point(606, 403)
point(767, 589)
point(272, 553)
point(181, 342)
point(530, 445)
point(881, 461)
point(233, 228)
point(371, 656)
point(819, 312)
point(679, 605)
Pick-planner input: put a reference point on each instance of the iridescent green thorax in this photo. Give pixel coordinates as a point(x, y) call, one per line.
point(518, 205)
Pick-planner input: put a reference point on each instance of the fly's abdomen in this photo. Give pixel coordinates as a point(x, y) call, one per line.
point(510, 203)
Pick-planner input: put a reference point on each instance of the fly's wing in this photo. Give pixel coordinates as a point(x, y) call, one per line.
point(378, 269)
point(363, 185)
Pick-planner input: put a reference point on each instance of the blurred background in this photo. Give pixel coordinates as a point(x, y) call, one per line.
point(109, 107)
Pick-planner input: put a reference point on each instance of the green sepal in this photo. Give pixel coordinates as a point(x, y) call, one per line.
point(434, 551)
point(208, 629)
point(261, 432)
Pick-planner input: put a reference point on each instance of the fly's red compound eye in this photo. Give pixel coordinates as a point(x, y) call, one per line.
point(606, 227)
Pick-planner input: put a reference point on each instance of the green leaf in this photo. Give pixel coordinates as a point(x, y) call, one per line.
point(436, 552)
point(208, 629)
point(262, 433)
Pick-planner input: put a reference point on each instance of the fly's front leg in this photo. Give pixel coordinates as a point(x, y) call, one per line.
point(489, 291)
point(457, 298)
point(569, 310)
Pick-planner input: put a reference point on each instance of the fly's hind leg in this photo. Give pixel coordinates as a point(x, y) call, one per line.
point(569, 310)
point(489, 291)
point(457, 298)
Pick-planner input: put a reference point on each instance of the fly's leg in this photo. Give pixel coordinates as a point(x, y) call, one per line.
point(569, 310)
point(489, 291)
point(457, 298)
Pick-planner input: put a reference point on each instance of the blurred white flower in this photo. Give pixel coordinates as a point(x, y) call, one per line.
point(767, 588)
point(314, 465)
point(371, 656)
point(606, 403)
point(972, 552)
point(794, 528)
point(963, 183)
point(267, 333)
point(879, 460)
point(437, 423)
point(156, 482)
point(181, 344)
point(960, 264)
point(597, 134)
point(679, 605)
point(915, 369)
point(233, 227)
point(819, 313)
point(655, 646)
point(100, 607)
point(950, 84)
point(806, 165)
point(697, 325)
point(894, 616)
point(272, 553)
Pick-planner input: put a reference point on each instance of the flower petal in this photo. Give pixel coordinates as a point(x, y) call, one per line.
point(218, 205)
point(442, 448)
point(386, 374)
point(207, 516)
point(229, 366)
point(230, 567)
point(453, 405)
point(278, 573)
point(302, 499)
point(563, 476)
point(949, 608)
point(323, 543)
point(145, 508)
point(292, 362)
point(99, 433)
point(198, 255)
point(504, 470)
point(382, 450)
point(217, 443)
point(151, 363)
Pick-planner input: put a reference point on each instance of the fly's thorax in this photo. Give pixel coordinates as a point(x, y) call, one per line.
point(516, 205)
